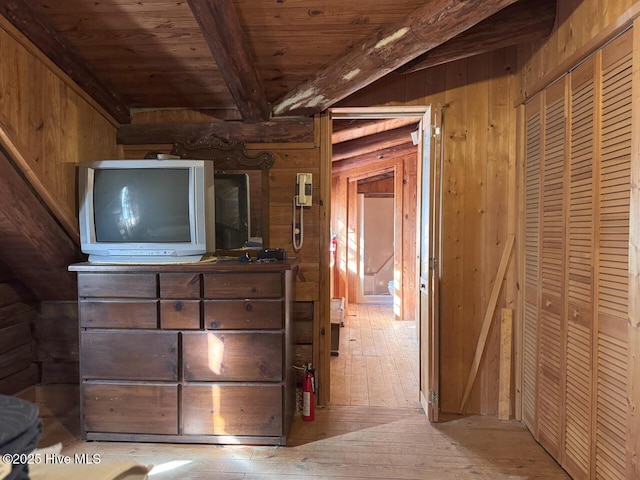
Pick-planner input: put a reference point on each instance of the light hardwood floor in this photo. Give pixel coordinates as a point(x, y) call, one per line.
point(377, 364)
point(378, 439)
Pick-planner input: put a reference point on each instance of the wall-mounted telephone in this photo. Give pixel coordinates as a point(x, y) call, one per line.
point(303, 197)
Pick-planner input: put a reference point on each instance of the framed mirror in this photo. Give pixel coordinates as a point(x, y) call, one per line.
point(242, 191)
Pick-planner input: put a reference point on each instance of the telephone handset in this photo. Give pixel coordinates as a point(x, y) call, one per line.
point(303, 197)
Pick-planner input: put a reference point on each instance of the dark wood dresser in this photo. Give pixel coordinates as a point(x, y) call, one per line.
point(193, 353)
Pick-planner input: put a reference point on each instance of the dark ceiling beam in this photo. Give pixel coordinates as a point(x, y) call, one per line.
point(524, 21)
point(365, 145)
point(345, 130)
point(222, 31)
point(297, 130)
point(60, 53)
point(371, 160)
point(427, 27)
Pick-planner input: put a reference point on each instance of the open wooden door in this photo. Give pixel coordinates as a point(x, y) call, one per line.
point(429, 259)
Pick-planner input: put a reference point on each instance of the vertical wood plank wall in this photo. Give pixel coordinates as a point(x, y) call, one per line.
point(18, 369)
point(576, 402)
point(346, 225)
point(48, 124)
point(479, 137)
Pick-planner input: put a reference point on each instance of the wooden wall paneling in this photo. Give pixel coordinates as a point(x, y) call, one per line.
point(633, 387)
point(409, 225)
point(57, 344)
point(18, 369)
point(322, 354)
point(476, 257)
point(339, 228)
point(449, 85)
point(400, 238)
point(613, 261)
point(500, 135)
point(581, 27)
point(579, 265)
point(532, 244)
point(352, 239)
point(48, 125)
point(456, 345)
point(552, 322)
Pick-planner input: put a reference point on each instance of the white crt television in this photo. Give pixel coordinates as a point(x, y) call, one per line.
point(146, 211)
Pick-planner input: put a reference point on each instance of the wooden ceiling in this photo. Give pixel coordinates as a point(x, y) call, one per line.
point(260, 59)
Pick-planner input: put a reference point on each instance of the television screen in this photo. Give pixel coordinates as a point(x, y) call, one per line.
point(141, 205)
point(147, 211)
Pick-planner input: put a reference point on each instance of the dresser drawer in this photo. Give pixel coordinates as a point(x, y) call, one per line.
point(135, 285)
point(232, 356)
point(242, 285)
point(179, 285)
point(129, 355)
point(95, 313)
point(126, 408)
point(232, 410)
point(243, 314)
point(180, 314)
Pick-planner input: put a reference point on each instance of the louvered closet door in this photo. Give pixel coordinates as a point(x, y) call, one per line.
point(613, 245)
point(531, 262)
point(578, 385)
point(551, 351)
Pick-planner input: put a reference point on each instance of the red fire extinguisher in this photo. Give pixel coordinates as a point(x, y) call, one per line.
point(308, 394)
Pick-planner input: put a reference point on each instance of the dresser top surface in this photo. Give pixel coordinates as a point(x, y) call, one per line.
point(219, 266)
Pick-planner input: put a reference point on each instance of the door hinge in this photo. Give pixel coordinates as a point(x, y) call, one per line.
point(433, 397)
point(433, 263)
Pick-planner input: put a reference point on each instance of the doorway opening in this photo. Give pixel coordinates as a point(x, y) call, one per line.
point(374, 267)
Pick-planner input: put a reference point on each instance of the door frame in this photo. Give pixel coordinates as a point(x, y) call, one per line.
point(326, 124)
point(429, 269)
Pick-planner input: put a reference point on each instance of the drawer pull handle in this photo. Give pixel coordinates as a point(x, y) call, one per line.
point(248, 307)
point(547, 303)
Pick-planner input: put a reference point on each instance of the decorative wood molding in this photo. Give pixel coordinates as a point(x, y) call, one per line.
point(46, 39)
point(223, 33)
point(227, 154)
point(427, 27)
point(524, 21)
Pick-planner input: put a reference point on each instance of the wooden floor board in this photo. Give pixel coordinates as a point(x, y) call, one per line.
point(351, 439)
point(388, 351)
point(344, 442)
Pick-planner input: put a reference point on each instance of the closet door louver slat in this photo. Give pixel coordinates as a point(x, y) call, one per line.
point(551, 351)
point(613, 267)
point(578, 385)
point(531, 263)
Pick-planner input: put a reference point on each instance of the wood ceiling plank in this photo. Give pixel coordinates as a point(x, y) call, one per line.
point(372, 143)
point(427, 27)
point(373, 159)
point(54, 47)
point(345, 130)
point(522, 22)
point(223, 33)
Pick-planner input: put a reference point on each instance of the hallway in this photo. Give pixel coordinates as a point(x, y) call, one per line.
point(377, 364)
